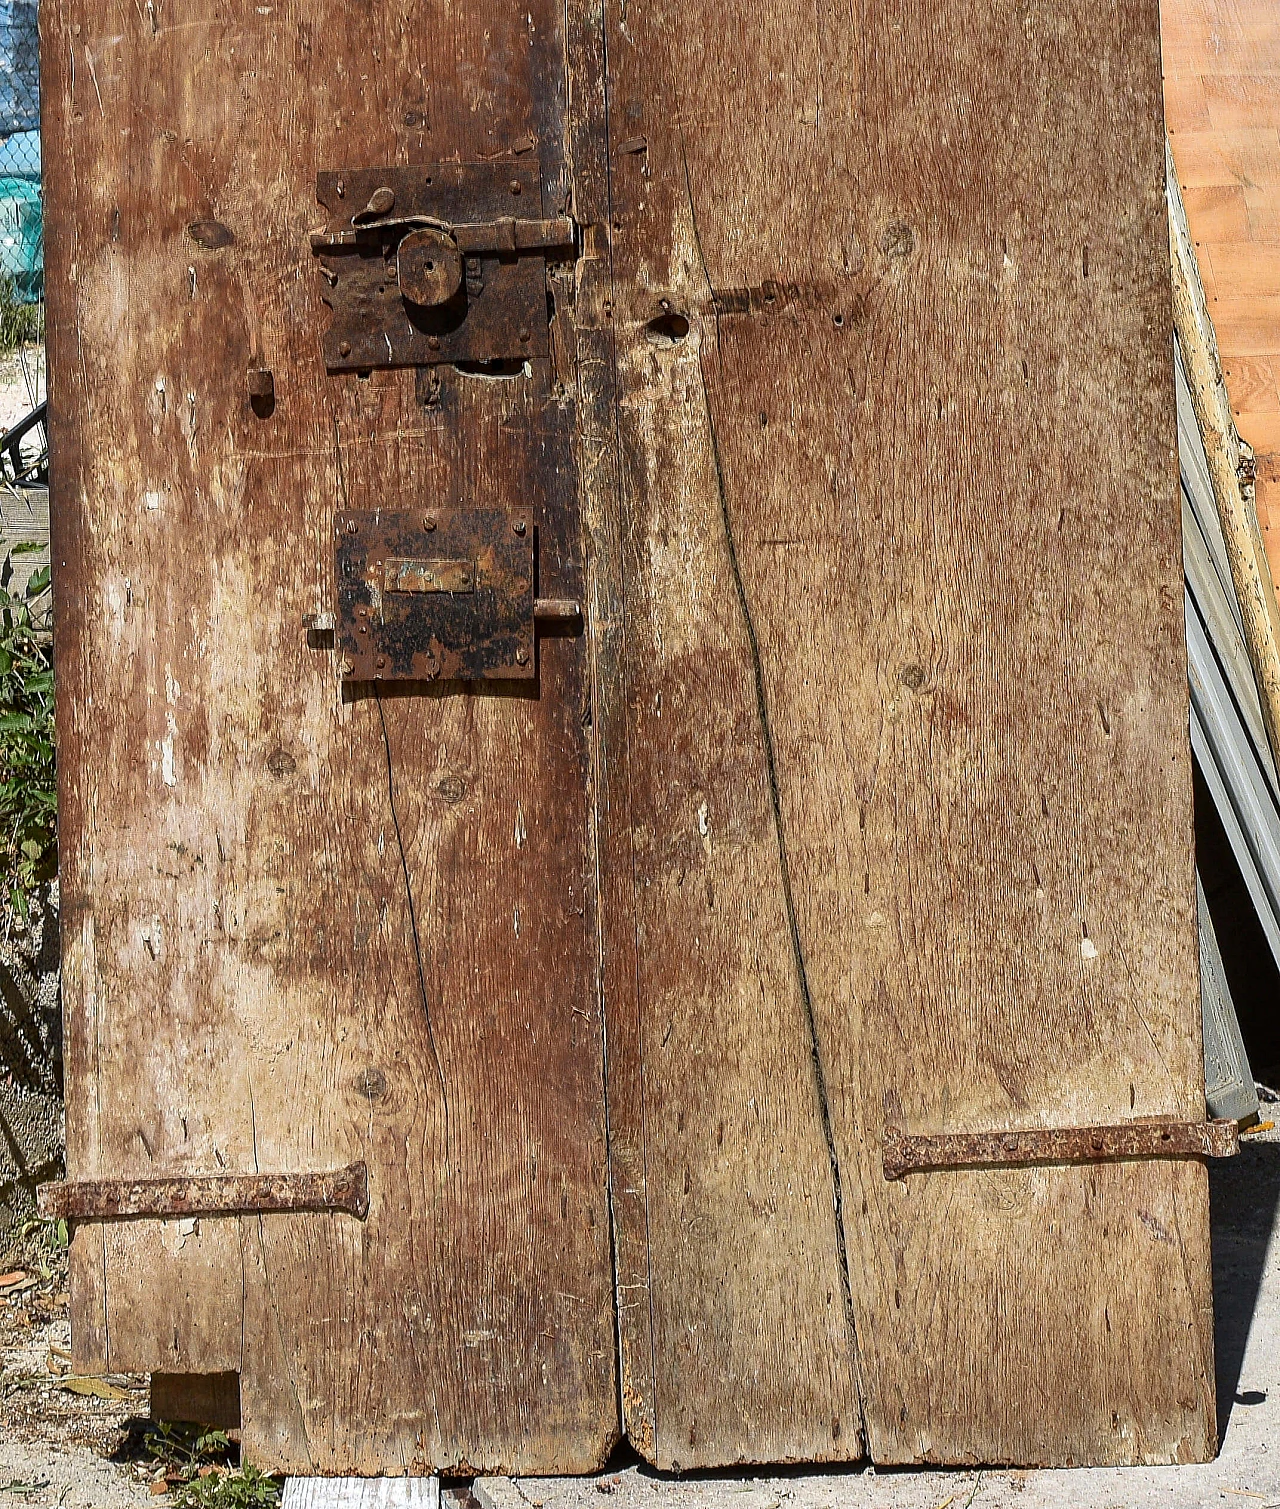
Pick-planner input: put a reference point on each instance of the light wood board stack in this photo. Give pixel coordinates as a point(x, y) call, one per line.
point(1222, 97)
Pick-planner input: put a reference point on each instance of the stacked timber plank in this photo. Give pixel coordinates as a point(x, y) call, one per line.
point(1222, 83)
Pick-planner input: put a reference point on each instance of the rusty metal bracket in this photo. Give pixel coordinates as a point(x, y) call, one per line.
point(440, 262)
point(343, 1189)
point(905, 1154)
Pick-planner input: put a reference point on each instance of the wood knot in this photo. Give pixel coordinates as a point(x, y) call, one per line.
point(371, 1083)
point(281, 763)
point(211, 234)
point(897, 240)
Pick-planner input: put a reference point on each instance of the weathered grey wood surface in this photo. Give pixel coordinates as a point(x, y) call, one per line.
point(902, 689)
point(361, 1493)
point(301, 929)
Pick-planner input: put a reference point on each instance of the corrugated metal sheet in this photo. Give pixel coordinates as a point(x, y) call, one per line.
point(1229, 740)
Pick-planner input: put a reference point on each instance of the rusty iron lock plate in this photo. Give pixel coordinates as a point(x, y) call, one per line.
point(435, 594)
point(438, 262)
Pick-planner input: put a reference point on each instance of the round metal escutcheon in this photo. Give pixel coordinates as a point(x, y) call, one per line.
point(430, 267)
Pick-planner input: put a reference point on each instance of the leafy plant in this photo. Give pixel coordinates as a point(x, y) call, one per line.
point(201, 1474)
point(28, 797)
point(186, 1448)
point(21, 323)
point(42, 1245)
point(233, 1488)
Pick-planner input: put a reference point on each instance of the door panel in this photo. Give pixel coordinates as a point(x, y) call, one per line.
point(307, 924)
point(911, 829)
point(862, 800)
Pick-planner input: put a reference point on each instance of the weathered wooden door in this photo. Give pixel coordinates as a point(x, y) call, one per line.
point(857, 800)
point(312, 919)
point(900, 833)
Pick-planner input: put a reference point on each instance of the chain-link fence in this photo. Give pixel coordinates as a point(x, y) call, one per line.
point(21, 217)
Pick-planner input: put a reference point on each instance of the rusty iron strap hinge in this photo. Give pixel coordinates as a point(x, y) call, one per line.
point(906, 1154)
point(344, 1189)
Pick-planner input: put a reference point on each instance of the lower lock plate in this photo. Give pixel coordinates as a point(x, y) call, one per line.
point(439, 595)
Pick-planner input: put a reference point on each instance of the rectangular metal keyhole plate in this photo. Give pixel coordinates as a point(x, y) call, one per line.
point(433, 575)
point(435, 595)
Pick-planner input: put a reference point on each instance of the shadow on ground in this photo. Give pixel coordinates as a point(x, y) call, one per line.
point(1244, 1197)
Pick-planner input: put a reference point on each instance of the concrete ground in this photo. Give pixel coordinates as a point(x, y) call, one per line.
point(56, 1448)
point(21, 388)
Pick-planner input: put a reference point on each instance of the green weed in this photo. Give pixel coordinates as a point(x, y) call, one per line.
point(200, 1460)
point(232, 1488)
point(20, 324)
point(28, 795)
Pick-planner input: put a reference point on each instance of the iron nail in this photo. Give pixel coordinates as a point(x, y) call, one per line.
point(522, 656)
point(519, 526)
point(344, 348)
point(515, 185)
point(352, 526)
point(429, 523)
point(434, 342)
point(524, 335)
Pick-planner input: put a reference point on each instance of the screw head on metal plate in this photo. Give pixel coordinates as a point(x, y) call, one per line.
point(430, 267)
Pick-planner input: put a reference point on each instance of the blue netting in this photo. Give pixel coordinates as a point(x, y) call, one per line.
point(21, 217)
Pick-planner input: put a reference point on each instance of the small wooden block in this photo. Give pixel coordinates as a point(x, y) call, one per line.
point(361, 1493)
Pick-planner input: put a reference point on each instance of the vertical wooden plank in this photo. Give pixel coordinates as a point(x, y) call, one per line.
point(303, 927)
point(903, 606)
point(597, 395)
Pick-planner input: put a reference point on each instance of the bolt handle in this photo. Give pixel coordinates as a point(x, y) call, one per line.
point(429, 266)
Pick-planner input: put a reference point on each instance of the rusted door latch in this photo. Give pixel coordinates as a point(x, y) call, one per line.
point(904, 1154)
point(345, 1189)
point(446, 594)
point(440, 262)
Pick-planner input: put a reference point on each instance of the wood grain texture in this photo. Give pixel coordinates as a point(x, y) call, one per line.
point(301, 930)
point(906, 711)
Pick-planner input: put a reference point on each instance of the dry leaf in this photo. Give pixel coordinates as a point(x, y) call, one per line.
point(8, 1279)
point(98, 1388)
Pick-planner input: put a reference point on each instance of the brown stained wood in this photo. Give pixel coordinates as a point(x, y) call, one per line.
point(604, 601)
point(303, 930)
point(904, 699)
